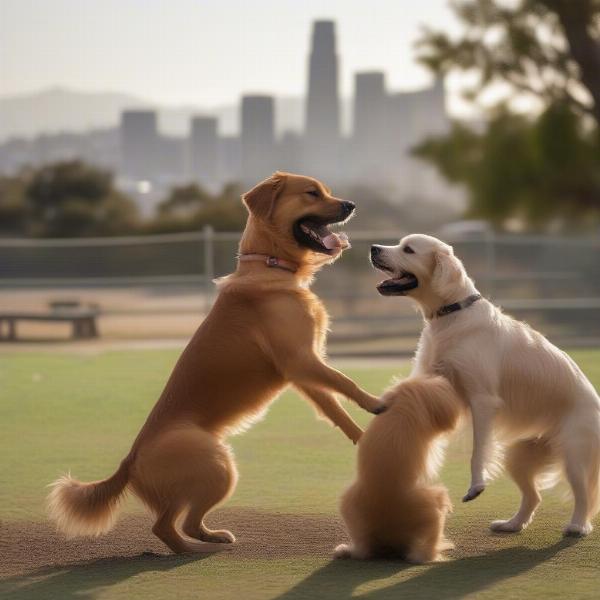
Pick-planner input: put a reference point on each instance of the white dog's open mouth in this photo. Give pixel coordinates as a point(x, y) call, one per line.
point(398, 286)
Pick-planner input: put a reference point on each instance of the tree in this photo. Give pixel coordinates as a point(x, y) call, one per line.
point(541, 167)
point(64, 199)
point(184, 201)
point(536, 170)
point(74, 199)
point(545, 49)
point(191, 207)
point(13, 208)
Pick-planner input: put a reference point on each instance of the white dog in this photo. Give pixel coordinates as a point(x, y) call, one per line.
point(518, 385)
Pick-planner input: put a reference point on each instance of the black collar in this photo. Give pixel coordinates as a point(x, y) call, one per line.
point(450, 308)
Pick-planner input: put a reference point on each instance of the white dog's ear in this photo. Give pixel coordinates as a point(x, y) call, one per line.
point(448, 272)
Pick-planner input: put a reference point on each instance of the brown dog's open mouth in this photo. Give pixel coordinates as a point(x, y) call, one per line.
point(398, 286)
point(316, 234)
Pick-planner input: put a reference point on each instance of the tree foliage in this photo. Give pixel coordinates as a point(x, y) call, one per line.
point(190, 207)
point(73, 199)
point(64, 199)
point(545, 49)
point(538, 171)
point(539, 168)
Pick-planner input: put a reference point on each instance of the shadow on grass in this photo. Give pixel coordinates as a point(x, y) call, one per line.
point(442, 581)
point(88, 579)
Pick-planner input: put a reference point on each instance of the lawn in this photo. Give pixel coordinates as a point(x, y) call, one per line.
point(80, 413)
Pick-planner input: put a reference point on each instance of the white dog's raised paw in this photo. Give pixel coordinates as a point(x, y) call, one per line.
point(508, 526)
point(574, 530)
point(474, 491)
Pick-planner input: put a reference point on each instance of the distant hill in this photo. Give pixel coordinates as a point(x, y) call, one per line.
point(58, 109)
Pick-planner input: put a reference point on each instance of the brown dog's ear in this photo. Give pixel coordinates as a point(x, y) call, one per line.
point(260, 200)
point(448, 272)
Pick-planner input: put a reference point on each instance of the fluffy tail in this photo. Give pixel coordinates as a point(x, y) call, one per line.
point(87, 509)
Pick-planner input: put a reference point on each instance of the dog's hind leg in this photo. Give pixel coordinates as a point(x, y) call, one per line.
point(218, 480)
point(164, 529)
point(525, 460)
point(356, 551)
point(427, 548)
point(185, 467)
point(579, 452)
point(430, 543)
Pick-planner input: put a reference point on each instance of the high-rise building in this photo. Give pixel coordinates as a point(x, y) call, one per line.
point(289, 152)
point(257, 137)
point(139, 143)
point(203, 149)
point(170, 160)
point(230, 159)
point(322, 131)
point(369, 122)
point(412, 117)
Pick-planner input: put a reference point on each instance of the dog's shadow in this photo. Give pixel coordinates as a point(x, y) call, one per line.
point(447, 580)
point(337, 579)
point(87, 579)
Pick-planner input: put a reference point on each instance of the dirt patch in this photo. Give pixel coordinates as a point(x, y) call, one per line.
point(28, 546)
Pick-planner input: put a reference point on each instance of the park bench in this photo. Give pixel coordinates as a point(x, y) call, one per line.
point(82, 318)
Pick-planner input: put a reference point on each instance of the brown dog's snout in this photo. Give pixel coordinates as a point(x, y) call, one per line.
point(347, 208)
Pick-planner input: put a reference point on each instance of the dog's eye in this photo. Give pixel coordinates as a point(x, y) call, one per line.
point(408, 250)
point(313, 193)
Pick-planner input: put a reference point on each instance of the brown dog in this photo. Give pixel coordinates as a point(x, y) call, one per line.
point(391, 508)
point(265, 331)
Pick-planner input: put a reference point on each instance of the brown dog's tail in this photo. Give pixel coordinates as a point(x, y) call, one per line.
point(87, 509)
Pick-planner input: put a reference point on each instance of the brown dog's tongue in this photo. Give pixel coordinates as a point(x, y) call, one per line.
point(331, 241)
point(335, 240)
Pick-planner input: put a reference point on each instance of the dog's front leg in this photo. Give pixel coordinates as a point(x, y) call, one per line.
point(331, 409)
point(306, 369)
point(483, 411)
point(312, 371)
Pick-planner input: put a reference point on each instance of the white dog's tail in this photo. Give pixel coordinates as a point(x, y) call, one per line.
point(87, 508)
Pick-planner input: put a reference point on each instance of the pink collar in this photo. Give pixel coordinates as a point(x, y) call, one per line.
point(270, 261)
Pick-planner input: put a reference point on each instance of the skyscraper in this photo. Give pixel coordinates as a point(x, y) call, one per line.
point(369, 122)
point(203, 149)
point(258, 137)
point(139, 143)
point(322, 131)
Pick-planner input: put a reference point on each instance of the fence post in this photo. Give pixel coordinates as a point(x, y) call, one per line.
point(208, 240)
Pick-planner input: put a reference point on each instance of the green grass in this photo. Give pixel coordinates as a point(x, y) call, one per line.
point(60, 412)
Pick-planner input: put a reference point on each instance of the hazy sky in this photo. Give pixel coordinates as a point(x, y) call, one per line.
point(203, 52)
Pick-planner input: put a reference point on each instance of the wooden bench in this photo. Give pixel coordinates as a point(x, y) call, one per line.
point(83, 320)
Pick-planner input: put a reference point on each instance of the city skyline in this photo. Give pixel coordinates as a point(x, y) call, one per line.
point(386, 125)
point(185, 52)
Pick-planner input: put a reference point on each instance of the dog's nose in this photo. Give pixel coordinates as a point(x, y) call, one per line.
point(347, 208)
point(375, 251)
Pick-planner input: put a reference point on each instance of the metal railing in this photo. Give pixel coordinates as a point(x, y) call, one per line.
point(553, 282)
